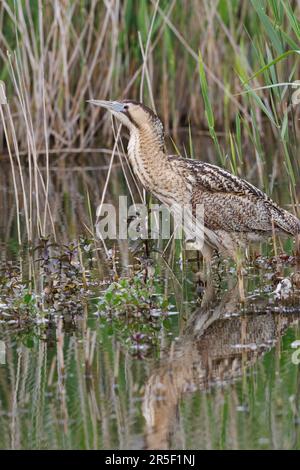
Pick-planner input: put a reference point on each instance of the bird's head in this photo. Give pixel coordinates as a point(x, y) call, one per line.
point(134, 115)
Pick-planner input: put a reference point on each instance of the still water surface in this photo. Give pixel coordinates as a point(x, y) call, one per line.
point(220, 375)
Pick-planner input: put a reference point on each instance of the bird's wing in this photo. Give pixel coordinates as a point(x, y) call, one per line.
point(213, 178)
point(233, 204)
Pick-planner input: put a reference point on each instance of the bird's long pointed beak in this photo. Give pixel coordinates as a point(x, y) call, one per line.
point(114, 106)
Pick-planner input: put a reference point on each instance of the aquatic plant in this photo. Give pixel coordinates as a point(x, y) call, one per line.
point(136, 310)
point(55, 282)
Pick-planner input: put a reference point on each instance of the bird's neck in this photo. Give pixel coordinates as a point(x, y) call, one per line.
point(146, 154)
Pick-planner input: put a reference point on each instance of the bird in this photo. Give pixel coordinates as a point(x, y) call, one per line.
point(212, 349)
point(236, 212)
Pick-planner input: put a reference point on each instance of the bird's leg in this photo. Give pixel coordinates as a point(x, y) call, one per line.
point(198, 260)
point(239, 259)
point(207, 253)
point(204, 275)
point(241, 287)
point(200, 277)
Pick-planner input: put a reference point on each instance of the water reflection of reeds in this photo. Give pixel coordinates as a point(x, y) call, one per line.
point(226, 382)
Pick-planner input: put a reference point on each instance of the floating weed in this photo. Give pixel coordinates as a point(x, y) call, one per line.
point(136, 310)
point(58, 282)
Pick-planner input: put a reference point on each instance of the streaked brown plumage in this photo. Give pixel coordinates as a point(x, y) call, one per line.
point(214, 349)
point(235, 211)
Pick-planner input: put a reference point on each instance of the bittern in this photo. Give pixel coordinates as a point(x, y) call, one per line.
point(235, 211)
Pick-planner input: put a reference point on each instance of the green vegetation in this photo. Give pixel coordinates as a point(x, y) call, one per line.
point(94, 330)
point(228, 68)
point(137, 311)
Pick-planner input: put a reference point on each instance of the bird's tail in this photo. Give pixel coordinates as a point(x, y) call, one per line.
point(285, 221)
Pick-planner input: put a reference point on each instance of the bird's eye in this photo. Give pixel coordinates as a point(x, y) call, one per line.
point(126, 107)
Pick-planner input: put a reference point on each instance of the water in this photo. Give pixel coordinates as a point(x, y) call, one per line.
point(196, 373)
point(221, 377)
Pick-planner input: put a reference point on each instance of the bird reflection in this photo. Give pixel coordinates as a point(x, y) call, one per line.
point(218, 344)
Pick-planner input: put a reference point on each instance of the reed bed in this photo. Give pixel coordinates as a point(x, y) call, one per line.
point(71, 51)
point(225, 69)
point(224, 77)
